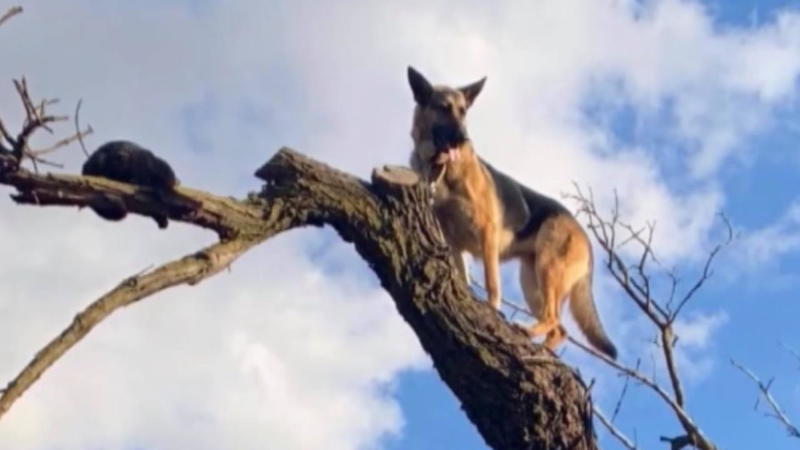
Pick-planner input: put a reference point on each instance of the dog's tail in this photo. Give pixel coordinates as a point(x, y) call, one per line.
point(585, 314)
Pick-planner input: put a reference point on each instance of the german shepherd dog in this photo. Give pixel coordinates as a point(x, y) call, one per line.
point(486, 213)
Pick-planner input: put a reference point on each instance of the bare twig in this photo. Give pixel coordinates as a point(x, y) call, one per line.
point(700, 440)
point(791, 351)
point(667, 344)
point(78, 127)
point(673, 287)
point(636, 280)
point(13, 11)
point(5, 136)
point(21, 86)
point(618, 406)
point(35, 118)
point(707, 272)
point(190, 269)
point(605, 233)
point(36, 160)
point(764, 389)
point(78, 136)
point(624, 440)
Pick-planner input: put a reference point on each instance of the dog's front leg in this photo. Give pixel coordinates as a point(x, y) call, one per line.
point(491, 264)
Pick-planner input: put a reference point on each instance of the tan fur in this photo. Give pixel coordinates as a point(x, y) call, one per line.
point(554, 259)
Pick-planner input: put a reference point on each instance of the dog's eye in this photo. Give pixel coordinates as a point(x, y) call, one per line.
point(443, 107)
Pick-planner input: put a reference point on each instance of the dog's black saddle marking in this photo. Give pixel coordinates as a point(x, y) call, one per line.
point(524, 210)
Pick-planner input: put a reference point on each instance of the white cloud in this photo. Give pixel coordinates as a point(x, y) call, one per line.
point(694, 352)
point(217, 88)
point(695, 332)
point(258, 355)
point(763, 247)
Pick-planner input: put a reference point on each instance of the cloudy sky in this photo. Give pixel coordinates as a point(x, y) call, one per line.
point(685, 108)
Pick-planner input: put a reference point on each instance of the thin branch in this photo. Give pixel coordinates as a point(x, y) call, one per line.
point(632, 237)
point(618, 406)
point(624, 440)
point(764, 389)
point(635, 279)
point(5, 136)
point(78, 133)
point(791, 351)
point(605, 233)
point(21, 86)
point(707, 272)
point(36, 160)
point(13, 11)
point(35, 118)
point(673, 287)
point(683, 417)
point(78, 136)
point(190, 269)
point(667, 342)
point(647, 253)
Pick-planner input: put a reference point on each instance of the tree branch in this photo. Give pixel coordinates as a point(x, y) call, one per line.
point(13, 11)
point(516, 393)
point(223, 215)
point(189, 269)
point(777, 411)
point(636, 281)
point(791, 351)
point(696, 436)
point(624, 440)
point(707, 272)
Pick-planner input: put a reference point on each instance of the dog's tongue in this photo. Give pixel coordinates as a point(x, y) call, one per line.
point(451, 154)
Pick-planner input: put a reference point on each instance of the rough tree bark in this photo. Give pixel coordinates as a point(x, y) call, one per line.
point(517, 393)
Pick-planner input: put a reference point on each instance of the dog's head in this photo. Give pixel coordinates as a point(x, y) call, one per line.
point(440, 114)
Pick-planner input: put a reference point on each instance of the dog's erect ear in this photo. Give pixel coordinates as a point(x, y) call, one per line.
point(472, 90)
point(423, 90)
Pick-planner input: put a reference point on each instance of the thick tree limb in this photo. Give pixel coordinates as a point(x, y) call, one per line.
point(226, 216)
point(517, 394)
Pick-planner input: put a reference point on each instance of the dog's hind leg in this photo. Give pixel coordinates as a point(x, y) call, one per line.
point(544, 295)
point(570, 263)
point(533, 292)
point(530, 290)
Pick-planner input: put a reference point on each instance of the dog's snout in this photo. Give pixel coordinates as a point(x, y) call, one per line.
point(448, 136)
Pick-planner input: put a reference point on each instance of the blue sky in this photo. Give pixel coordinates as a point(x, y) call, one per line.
point(686, 108)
